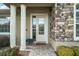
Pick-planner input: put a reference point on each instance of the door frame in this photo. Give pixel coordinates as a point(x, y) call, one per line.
point(34, 14)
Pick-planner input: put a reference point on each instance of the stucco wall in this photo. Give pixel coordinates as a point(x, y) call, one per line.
point(18, 29)
point(4, 12)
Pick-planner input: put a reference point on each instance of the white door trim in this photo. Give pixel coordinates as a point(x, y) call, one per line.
point(45, 14)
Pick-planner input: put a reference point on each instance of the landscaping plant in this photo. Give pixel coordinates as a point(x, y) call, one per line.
point(76, 50)
point(65, 51)
point(10, 52)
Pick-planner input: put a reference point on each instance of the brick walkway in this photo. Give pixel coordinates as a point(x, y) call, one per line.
point(42, 50)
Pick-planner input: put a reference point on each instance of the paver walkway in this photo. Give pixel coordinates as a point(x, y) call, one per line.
point(42, 50)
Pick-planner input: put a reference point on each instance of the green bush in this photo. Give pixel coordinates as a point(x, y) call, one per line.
point(9, 52)
point(76, 50)
point(65, 51)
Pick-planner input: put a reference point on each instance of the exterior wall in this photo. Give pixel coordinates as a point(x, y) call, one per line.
point(18, 31)
point(55, 44)
point(18, 19)
point(52, 38)
point(4, 12)
point(62, 28)
point(34, 10)
point(62, 25)
point(29, 11)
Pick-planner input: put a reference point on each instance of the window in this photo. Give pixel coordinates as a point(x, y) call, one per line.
point(77, 6)
point(4, 25)
point(41, 25)
point(41, 29)
point(77, 22)
point(34, 22)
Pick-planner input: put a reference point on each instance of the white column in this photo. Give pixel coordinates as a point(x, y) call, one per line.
point(12, 26)
point(23, 27)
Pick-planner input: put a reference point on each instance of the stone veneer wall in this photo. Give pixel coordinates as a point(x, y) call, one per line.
point(62, 22)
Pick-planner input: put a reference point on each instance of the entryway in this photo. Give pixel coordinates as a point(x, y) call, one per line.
point(42, 50)
point(39, 27)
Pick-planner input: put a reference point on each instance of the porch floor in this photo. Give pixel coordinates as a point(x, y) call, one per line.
point(42, 50)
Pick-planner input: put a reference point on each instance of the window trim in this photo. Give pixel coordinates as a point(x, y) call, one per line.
point(76, 38)
point(4, 33)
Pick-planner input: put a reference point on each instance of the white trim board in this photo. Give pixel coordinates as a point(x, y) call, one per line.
point(5, 33)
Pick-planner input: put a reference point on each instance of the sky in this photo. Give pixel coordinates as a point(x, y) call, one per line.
point(2, 6)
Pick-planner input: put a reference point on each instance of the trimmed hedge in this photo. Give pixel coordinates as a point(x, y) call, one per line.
point(65, 51)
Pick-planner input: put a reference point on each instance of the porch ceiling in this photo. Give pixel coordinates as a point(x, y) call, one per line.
point(31, 4)
point(7, 11)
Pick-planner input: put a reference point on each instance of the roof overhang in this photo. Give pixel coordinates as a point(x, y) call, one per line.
point(7, 11)
point(30, 4)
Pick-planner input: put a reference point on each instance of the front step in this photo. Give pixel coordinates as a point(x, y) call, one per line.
point(41, 44)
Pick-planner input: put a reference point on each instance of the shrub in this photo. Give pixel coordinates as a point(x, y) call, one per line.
point(10, 52)
point(65, 51)
point(76, 50)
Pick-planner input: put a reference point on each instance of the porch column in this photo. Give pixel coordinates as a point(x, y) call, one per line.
point(12, 26)
point(23, 27)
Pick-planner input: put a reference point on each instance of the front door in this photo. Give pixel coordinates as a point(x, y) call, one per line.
point(40, 28)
